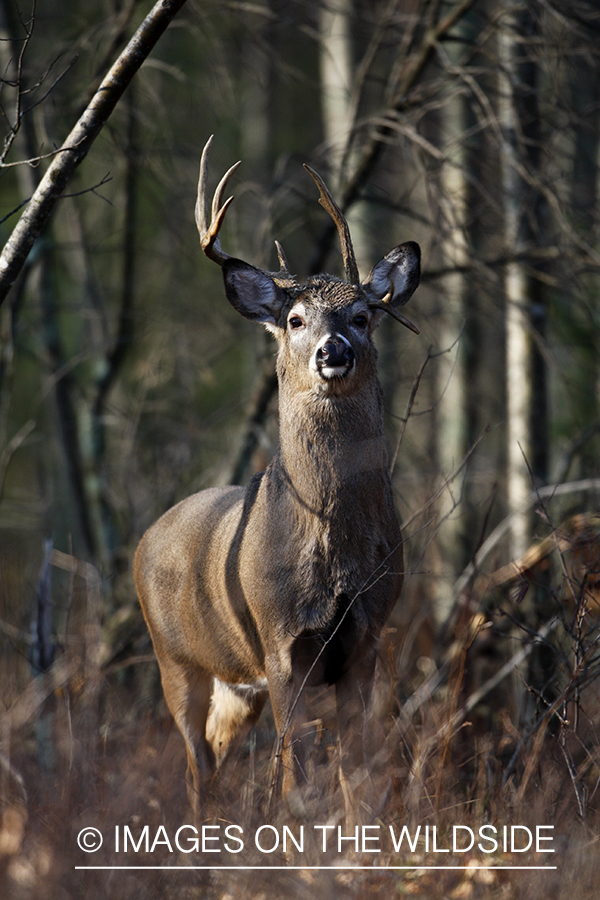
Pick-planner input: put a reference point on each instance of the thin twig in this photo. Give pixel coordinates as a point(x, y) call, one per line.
point(547, 492)
point(79, 142)
point(409, 406)
point(448, 480)
point(427, 690)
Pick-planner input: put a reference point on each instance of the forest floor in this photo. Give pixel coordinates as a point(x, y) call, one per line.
point(118, 766)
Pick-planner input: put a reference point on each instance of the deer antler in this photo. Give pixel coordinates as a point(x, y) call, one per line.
point(284, 272)
point(329, 204)
point(209, 231)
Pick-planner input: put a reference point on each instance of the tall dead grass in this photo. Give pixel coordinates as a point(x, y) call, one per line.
point(497, 729)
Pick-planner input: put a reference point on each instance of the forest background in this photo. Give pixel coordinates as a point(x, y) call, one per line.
point(127, 382)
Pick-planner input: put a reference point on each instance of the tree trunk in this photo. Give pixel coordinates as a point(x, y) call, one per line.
point(337, 74)
point(450, 434)
point(527, 424)
point(76, 147)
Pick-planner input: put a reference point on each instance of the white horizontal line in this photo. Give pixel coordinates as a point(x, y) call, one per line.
point(318, 868)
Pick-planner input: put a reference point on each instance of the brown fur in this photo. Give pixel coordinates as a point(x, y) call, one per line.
point(291, 579)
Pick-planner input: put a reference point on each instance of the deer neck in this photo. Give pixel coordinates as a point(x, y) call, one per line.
point(332, 452)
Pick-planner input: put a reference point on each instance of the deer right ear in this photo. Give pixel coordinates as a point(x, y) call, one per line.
point(253, 293)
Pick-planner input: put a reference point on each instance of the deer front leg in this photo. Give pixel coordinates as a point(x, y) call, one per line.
point(359, 736)
point(288, 702)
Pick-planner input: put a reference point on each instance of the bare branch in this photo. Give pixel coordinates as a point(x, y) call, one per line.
point(368, 157)
point(81, 139)
point(549, 491)
point(409, 406)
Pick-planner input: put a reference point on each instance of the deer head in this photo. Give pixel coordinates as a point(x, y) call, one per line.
point(272, 297)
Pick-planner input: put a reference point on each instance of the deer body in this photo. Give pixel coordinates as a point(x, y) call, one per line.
point(260, 591)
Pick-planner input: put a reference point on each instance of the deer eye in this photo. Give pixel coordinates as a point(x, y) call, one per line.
point(360, 320)
point(296, 322)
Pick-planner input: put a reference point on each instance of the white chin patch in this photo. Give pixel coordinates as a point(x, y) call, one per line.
point(331, 372)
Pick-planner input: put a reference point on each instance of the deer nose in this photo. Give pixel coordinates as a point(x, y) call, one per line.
point(334, 353)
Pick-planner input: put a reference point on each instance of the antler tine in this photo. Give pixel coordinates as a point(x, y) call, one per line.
point(285, 269)
point(329, 204)
point(209, 231)
point(385, 305)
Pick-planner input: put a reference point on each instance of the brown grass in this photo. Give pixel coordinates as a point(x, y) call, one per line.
point(123, 764)
point(91, 744)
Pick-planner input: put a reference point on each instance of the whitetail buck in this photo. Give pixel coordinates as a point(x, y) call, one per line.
point(260, 591)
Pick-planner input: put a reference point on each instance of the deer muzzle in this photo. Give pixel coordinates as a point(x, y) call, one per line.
point(334, 357)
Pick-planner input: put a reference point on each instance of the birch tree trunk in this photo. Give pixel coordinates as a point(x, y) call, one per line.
point(525, 307)
point(336, 72)
point(450, 430)
point(518, 398)
point(335, 62)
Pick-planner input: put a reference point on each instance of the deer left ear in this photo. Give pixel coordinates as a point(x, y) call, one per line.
point(397, 274)
point(393, 281)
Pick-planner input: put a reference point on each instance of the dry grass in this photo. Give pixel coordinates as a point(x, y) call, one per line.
point(123, 765)
point(90, 744)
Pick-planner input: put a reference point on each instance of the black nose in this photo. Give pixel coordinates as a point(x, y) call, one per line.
point(335, 352)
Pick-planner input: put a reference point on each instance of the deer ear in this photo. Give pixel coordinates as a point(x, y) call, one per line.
point(397, 274)
point(252, 292)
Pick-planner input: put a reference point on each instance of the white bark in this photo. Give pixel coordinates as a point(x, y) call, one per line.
point(451, 424)
point(336, 91)
point(336, 81)
point(518, 353)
